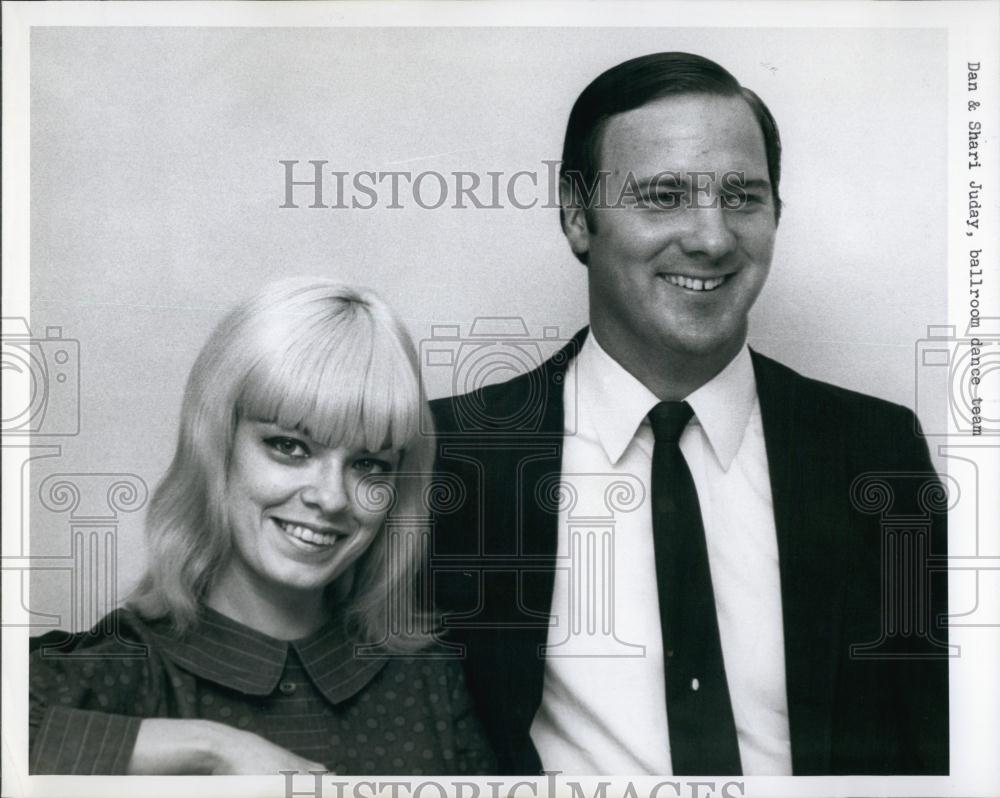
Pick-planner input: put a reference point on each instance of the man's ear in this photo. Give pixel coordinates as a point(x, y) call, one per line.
point(573, 218)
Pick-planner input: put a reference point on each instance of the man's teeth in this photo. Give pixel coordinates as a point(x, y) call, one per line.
point(308, 535)
point(694, 283)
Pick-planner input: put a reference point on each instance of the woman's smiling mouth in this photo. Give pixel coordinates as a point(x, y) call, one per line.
point(316, 536)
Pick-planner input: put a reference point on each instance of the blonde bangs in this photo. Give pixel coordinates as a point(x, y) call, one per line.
point(333, 374)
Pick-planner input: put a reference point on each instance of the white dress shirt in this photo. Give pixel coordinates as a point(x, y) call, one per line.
point(603, 707)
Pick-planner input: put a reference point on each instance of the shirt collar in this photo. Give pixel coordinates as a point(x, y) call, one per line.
point(228, 653)
point(723, 406)
point(618, 403)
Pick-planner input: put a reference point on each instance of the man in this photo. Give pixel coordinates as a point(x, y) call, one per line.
point(745, 622)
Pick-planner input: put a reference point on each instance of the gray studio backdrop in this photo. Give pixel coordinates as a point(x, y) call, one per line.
point(156, 190)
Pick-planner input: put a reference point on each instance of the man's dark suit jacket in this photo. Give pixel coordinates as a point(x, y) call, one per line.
point(860, 523)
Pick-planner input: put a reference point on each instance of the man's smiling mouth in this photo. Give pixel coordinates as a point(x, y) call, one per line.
point(695, 283)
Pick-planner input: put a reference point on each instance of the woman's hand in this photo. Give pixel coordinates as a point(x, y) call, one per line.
point(172, 747)
point(237, 752)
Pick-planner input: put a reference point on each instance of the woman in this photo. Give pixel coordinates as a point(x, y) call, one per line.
point(275, 627)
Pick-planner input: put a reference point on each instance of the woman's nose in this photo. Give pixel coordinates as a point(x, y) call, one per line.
point(327, 491)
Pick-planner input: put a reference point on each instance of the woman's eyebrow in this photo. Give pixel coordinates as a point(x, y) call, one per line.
point(302, 429)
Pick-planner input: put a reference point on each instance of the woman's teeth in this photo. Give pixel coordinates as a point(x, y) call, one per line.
point(308, 535)
point(693, 283)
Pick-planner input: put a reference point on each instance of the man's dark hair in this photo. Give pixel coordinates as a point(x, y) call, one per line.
point(637, 82)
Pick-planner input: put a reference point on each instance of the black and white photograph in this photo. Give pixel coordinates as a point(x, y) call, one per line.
point(490, 399)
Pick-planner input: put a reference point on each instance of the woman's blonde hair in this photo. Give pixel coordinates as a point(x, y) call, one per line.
point(318, 355)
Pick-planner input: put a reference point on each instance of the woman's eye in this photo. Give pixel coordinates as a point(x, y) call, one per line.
point(372, 465)
point(288, 447)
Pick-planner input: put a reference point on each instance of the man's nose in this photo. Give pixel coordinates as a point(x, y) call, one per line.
point(326, 491)
point(708, 233)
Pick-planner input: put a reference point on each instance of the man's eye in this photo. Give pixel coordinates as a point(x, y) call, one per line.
point(664, 200)
point(372, 465)
point(288, 447)
point(738, 200)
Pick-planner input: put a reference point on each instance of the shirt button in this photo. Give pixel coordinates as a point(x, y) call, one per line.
point(287, 687)
point(695, 684)
point(670, 653)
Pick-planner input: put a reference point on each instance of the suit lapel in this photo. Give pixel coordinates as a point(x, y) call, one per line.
point(538, 519)
point(537, 459)
point(806, 461)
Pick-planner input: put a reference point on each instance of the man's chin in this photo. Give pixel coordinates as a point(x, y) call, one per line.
point(705, 345)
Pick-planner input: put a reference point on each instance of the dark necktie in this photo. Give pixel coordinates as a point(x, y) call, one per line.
point(699, 714)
